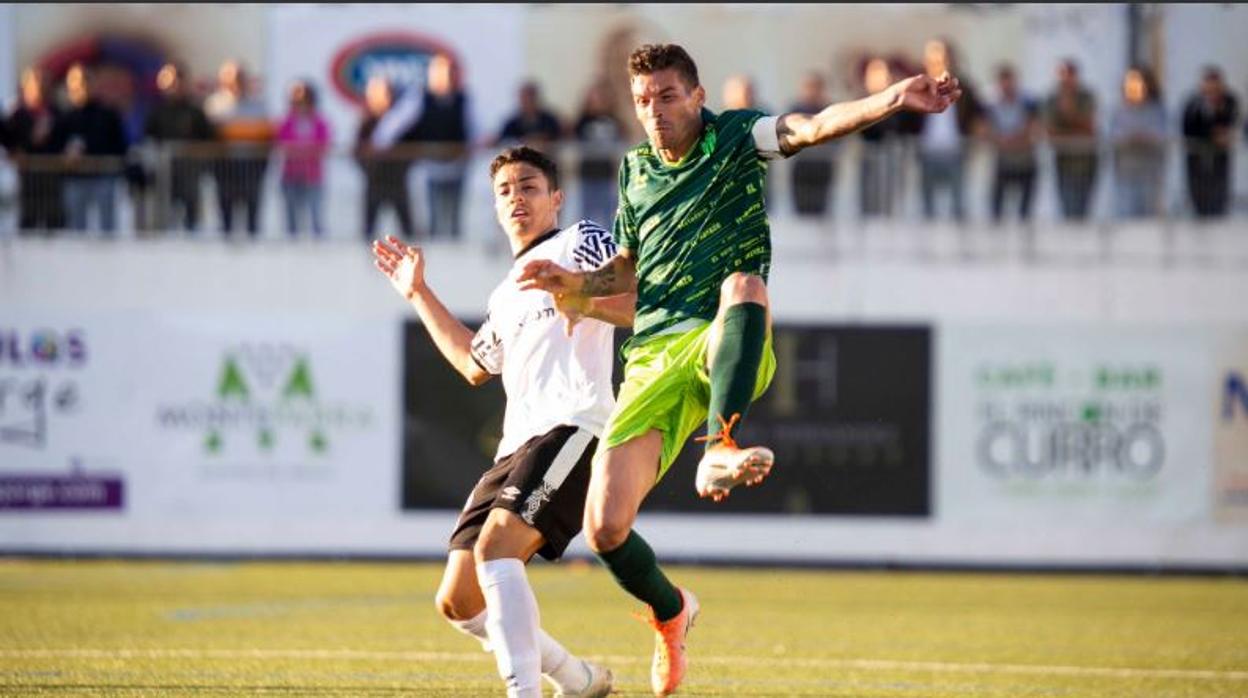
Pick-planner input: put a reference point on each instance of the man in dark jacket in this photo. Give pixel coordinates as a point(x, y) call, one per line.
point(179, 123)
point(813, 169)
point(385, 169)
point(95, 143)
point(532, 123)
point(1208, 122)
point(33, 143)
point(438, 121)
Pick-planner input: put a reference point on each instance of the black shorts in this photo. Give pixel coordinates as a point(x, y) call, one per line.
point(544, 482)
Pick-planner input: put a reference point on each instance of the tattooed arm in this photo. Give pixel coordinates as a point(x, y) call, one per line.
point(615, 277)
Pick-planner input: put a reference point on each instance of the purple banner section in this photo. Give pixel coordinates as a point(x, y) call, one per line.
point(76, 491)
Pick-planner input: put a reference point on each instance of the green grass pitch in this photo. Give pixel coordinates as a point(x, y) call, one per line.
point(353, 628)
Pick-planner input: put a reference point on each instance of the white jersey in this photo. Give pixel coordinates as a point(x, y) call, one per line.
point(550, 379)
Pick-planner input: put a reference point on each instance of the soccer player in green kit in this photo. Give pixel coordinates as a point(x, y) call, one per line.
point(696, 248)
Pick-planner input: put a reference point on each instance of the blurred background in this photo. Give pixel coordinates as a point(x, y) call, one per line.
point(1015, 334)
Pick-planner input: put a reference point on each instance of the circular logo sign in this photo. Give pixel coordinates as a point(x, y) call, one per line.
point(402, 58)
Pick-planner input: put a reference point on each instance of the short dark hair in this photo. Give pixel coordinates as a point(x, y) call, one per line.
point(652, 58)
point(528, 156)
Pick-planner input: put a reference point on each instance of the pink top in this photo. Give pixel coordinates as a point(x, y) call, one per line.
point(303, 138)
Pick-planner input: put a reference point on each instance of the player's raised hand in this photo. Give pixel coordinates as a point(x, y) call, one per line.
point(404, 265)
point(545, 275)
point(928, 95)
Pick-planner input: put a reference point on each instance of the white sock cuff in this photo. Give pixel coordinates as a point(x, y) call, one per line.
point(474, 626)
point(495, 572)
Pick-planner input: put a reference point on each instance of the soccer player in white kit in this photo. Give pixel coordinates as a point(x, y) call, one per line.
point(557, 377)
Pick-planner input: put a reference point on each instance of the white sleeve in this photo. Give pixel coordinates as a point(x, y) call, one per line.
point(593, 246)
point(766, 140)
point(487, 348)
point(400, 117)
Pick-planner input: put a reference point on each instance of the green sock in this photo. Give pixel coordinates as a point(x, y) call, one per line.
point(734, 368)
point(634, 568)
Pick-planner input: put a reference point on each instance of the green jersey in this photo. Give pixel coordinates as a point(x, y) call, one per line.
point(689, 225)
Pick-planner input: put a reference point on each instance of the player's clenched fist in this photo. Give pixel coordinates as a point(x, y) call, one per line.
point(404, 265)
point(545, 275)
point(928, 95)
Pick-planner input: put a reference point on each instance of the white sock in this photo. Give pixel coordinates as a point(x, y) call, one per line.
point(558, 664)
point(512, 624)
point(473, 627)
point(563, 669)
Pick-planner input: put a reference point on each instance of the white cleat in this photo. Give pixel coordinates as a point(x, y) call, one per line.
point(599, 682)
point(725, 465)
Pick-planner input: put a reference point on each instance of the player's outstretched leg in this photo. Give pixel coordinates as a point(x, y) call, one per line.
point(622, 477)
point(735, 354)
point(460, 602)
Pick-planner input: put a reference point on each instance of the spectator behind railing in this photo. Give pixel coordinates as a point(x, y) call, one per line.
point(179, 122)
point(95, 143)
point(1070, 116)
point(1138, 134)
point(244, 129)
point(942, 137)
point(304, 137)
point(1012, 129)
point(385, 169)
point(600, 135)
point(738, 93)
point(438, 120)
point(532, 123)
point(813, 169)
point(33, 139)
point(1208, 123)
point(885, 144)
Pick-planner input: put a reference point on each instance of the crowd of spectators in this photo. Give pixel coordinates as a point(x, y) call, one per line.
point(74, 158)
point(1015, 124)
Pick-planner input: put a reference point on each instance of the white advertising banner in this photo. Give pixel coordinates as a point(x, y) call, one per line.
point(1074, 426)
point(1230, 440)
point(157, 421)
point(341, 46)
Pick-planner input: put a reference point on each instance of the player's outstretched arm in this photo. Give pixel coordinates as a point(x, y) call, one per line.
point(615, 277)
point(919, 94)
point(405, 267)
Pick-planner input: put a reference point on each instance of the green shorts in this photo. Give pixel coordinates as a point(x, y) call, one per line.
point(667, 387)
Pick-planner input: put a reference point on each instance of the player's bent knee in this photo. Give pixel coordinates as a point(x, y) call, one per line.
point(604, 535)
point(450, 607)
point(741, 287)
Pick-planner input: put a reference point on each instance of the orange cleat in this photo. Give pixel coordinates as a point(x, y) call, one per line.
point(726, 465)
point(668, 668)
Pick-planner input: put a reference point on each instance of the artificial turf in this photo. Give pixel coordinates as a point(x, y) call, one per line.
point(101, 627)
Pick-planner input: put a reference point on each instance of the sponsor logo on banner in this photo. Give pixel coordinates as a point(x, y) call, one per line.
point(38, 384)
point(264, 401)
point(1082, 424)
point(1231, 448)
point(1040, 424)
point(400, 57)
